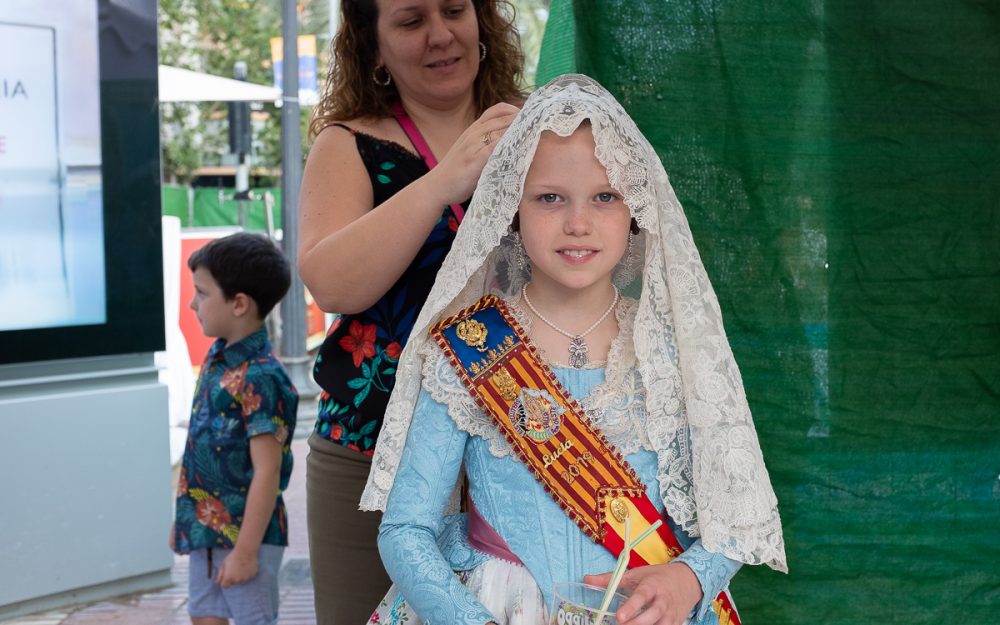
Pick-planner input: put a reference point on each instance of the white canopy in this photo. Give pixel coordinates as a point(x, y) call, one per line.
point(183, 85)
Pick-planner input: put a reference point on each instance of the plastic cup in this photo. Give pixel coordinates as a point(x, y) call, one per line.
point(575, 603)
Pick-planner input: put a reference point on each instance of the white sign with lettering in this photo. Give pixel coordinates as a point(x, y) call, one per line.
point(33, 257)
point(28, 117)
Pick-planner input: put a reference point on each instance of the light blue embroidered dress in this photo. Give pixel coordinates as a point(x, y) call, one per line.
point(421, 547)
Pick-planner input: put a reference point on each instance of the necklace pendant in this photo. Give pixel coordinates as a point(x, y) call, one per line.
point(578, 353)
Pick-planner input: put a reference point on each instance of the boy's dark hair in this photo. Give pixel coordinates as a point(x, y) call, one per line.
point(246, 263)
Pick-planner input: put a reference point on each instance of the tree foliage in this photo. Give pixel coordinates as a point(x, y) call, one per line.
point(212, 35)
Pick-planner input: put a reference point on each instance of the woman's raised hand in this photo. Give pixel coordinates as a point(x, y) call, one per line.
point(661, 594)
point(338, 223)
point(458, 172)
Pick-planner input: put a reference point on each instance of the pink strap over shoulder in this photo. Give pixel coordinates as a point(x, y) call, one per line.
point(424, 150)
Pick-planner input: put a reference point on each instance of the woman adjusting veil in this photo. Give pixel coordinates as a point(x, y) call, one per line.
point(571, 410)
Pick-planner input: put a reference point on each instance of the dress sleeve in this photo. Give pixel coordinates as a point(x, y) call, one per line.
point(413, 518)
point(713, 571)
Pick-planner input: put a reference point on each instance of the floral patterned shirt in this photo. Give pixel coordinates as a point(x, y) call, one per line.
point(243, 391)
point(356, 366)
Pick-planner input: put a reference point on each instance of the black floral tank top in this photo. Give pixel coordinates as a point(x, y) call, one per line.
point(356, 365)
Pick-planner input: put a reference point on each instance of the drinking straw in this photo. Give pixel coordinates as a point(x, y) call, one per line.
point(649, 530)
point(616, 575)
point(623, 558)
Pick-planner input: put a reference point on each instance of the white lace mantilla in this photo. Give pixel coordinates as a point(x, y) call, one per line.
point(712, 474)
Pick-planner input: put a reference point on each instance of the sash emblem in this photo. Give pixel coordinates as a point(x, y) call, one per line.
point(619, 509)
point(536, 415)
point(473, 333)
point(504, 381)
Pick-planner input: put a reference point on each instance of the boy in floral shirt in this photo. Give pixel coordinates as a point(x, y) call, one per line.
point(230, 515)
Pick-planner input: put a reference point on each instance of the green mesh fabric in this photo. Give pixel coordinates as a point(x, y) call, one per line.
point(215, 207)
point(174, 200)
point(839, 163)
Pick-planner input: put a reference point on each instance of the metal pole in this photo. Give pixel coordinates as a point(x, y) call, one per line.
point(240, 130)
point(293, 308)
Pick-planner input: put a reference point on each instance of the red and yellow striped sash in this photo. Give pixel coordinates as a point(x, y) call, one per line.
point(552, 436)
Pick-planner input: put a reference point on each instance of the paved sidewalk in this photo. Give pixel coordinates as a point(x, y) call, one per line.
point(169, 605)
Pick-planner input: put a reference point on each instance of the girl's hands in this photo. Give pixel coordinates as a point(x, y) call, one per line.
point(458, 172)
point(661, 594)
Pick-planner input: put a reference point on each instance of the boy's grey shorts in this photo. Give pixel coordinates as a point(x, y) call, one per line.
point(252, 603)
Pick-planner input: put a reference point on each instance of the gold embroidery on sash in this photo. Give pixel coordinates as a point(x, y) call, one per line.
point(505, 383)
point(473, 333)
point(619, 509)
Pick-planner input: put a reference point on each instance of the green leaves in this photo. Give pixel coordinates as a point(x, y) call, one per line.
point(211, 36)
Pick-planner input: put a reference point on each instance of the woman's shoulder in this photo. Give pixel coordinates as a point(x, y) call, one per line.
point(383, 131)
point(382, 128)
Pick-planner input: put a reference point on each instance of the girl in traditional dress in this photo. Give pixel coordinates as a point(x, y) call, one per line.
point(566, 408)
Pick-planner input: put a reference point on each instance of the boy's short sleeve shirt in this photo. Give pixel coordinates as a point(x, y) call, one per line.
point(242, 392)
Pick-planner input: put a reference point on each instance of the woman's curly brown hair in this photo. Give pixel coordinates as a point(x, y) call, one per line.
point(350, 92)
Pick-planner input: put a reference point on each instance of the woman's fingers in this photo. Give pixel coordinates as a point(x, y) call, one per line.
point(493, 133)
point(493, 122)
point(499, 110)
point(494, 128)
point(462, 165)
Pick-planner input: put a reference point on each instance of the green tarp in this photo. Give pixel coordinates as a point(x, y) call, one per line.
point(839, 163)
point(211, 207)
point(174, 200)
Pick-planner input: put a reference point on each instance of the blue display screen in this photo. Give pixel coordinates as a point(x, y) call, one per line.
point(80, 250)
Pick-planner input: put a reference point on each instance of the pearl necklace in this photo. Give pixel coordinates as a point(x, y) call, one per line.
point(578, 349)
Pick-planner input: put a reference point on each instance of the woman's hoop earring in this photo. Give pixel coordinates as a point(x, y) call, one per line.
point(388, 77)
point(482, 51)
